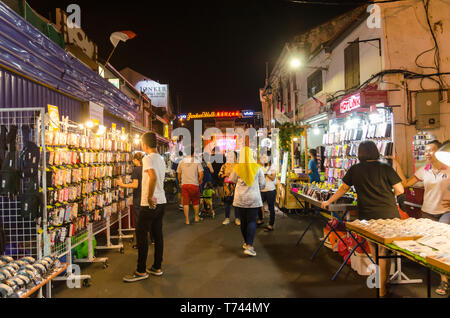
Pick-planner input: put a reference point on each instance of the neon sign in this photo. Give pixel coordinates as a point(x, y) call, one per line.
point(350, 103)
point(190, 116)
point(248, 113)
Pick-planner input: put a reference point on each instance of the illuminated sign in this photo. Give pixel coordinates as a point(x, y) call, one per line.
point(350, 103)
point(226, 144)
point(248, 113)
point(190, 116)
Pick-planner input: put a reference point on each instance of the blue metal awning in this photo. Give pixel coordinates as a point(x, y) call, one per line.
point(29, 52)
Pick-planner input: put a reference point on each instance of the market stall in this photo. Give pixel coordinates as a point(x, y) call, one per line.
point(423, 241)
point(292, 168)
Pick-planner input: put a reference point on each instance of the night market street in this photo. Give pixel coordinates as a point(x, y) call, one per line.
point(206, 260)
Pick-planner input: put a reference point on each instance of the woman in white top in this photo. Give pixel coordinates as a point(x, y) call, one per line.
point(249, 179)
point(268, 194)
point(436, 179)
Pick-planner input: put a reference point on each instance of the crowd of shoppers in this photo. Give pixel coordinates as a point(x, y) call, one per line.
point(245, 185)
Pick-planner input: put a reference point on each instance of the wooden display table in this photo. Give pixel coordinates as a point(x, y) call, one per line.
point(284, 198)
point(45, 281)
point(429, 263)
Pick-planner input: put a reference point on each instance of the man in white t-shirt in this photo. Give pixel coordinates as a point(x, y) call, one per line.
point(153, 201)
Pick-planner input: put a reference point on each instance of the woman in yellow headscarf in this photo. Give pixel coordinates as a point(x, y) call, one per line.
point(249, 179)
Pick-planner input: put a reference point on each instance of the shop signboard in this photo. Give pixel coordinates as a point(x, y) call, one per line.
point(75, 36)
point(158, 93)
point(96, 112)
point(350, 103)
point(373, 97)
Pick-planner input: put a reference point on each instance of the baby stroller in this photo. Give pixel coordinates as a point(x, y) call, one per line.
point(206, 207)
point(206, 201)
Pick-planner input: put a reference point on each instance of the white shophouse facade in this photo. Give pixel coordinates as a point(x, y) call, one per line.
point(403, 34)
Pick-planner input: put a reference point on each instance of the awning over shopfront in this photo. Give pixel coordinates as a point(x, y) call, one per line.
point(25, 50)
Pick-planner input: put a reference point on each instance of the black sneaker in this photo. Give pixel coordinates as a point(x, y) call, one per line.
point(153, 271)
point(134, 277)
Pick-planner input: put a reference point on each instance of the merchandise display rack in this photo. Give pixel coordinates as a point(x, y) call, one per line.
point(80, 196)
point(343, 139)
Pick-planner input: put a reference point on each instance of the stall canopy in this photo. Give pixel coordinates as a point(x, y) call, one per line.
point(25, 50)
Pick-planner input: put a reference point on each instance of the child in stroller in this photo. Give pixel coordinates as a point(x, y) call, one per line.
point(206, 200)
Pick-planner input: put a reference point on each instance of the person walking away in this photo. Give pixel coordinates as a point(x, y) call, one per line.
point(136, 178)
point(207, 170)
point(313, 170)
point(268, 194)
point(229, 188)
point(249, 179)
point(207, 195)
point(174, 167)
point(153, 202)
point(436, 180)
point(373, 182)
point(190, 176)
point(217, 163)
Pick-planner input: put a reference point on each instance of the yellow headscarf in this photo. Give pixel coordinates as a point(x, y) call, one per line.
point(247, 167)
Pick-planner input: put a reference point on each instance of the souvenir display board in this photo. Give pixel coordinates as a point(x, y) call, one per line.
point(82, 173)
point(343, 139)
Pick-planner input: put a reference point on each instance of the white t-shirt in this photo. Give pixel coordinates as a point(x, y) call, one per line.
point(156, 162)
point(270, 184)
point(437, 189)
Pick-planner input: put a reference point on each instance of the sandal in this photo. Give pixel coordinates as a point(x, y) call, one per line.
point(268, 228)
point(443, 289)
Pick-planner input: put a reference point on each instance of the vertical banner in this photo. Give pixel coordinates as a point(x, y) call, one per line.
point(114, 126)
point(284, 168)
point(53, 114)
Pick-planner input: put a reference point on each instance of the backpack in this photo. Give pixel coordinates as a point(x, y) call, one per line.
point(29, 157)
point(9, 176)
point(31, 203)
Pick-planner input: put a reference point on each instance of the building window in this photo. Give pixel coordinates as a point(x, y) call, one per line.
point(314, 83)
point(351, 63)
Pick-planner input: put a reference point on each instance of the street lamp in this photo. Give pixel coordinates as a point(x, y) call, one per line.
point(295, 63)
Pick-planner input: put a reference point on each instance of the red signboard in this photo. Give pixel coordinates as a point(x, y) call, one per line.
point(350, 103)
point(373, 97)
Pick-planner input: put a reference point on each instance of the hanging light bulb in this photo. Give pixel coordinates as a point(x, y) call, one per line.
point(101, 130)
point(89, 124)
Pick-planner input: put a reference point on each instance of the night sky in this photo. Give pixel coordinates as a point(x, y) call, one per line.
point(211, 53)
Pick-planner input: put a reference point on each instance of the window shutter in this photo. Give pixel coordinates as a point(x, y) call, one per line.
point(355, 58)
point(347, 67)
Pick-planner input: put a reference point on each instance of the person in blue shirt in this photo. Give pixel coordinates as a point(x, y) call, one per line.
point(313, 171)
